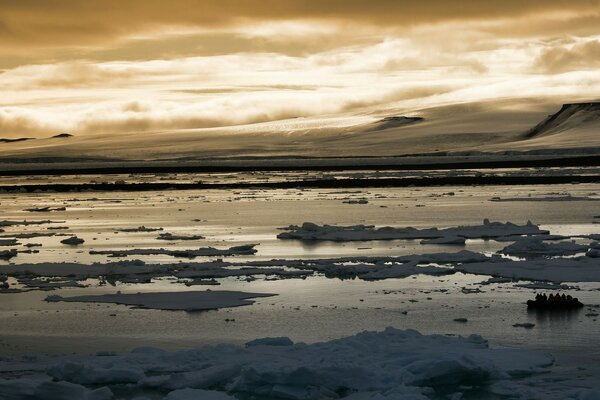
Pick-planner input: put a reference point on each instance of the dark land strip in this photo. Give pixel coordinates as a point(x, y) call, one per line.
point(304, 164)
point(311, 183)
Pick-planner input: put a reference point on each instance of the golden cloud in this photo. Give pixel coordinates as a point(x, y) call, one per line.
point(61, 22)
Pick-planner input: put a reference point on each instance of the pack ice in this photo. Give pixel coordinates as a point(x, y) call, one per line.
point(311, 231)
point(392, 364)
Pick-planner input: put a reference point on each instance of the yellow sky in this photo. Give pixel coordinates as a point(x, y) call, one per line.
point(111, 66)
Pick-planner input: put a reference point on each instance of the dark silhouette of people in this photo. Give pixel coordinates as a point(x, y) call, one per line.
point(554, 301)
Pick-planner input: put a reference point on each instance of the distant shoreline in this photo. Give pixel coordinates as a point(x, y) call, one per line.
point(308, 184)
point(408, 163)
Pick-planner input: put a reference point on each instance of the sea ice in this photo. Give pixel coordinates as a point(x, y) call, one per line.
point(392, 364)
point(187, 301)
point(72, 241)
point(247, 249)
point(581, 269)
point(140, 229)
point(534, 246)
point(171, 237)
point(311, 231)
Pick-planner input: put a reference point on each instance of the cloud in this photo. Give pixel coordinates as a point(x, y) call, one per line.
point(15, 122)
point(63, 75)
point(75, 22)
point(584, 55)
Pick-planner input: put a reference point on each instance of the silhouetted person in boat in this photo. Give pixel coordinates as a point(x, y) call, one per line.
point(554, 301)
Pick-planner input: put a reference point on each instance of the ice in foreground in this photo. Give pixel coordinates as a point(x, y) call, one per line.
point(393, 364)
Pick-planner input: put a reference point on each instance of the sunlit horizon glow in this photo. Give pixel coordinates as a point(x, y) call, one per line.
point(108, 67)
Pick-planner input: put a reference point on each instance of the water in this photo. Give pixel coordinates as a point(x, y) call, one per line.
point(313, 309)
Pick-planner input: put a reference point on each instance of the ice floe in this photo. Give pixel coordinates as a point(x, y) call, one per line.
point(186, 301)
point(172, 237)
point(140, 229)
point(24, 223)
point(45, 209)
point(581, 269)
point(72, 241)
point(535, 246)
point(311, 231)
point(247, 249)
point(8, 242)
point(392, 364)
point(8, 254)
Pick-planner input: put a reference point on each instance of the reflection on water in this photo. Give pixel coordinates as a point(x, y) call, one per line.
point(310, 310)
point(552, 319)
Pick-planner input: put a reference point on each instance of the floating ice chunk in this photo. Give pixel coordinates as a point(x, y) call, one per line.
point(404, 270)
point(356, 201)
point(8, 254)
point(140, 229)
point(526, 325)
point(45, 209)
point(187, 301)
point(73, 241)
point(8, 242)
point(534, 246)
point(582, 269)
point(247, 249)
point(17, 223)
point(545, 286)
point(311, 231)
point(388, 365)
point(171, 237)
point(495, 280)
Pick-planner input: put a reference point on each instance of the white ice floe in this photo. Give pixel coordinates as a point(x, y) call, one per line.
point(140, 229)
point(19, 223)
point(186, 301)
point(247, 249)
point(392, 364)
point(494, 280)
point(581, 269)
point(311, 231)
point(83, 271)
point(545, 286)
point(140, 272)
point(534, 246)
point(374, 268)
point(172, 237)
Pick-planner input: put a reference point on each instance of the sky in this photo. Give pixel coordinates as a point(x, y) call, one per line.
point(113, 66)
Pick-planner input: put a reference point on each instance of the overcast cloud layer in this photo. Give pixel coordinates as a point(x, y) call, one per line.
point(113, 66)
